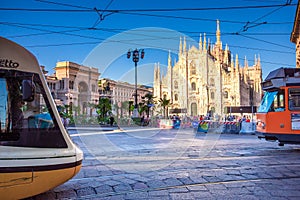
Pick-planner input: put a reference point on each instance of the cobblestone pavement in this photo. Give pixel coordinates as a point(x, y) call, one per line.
point(179, 164)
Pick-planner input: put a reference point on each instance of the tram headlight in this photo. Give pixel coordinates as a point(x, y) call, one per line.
point(261, 124)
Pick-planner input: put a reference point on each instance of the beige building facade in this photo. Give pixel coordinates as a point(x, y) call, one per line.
point(74, 85)
point(120, 92)
point(295, 37)
point(207, 79)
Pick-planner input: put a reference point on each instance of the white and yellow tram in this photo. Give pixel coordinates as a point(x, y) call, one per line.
point(36, 152)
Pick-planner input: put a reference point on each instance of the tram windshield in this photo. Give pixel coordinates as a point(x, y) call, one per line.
point(26, 117)
point(273, 101)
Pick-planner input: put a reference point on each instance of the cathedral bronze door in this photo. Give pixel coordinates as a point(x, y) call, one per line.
point(194, 109)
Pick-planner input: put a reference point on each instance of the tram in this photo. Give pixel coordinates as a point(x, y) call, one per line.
point(36, 152)
point(278, 116)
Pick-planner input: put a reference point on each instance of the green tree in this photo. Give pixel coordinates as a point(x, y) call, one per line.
point(103, 108)
point(130, 107)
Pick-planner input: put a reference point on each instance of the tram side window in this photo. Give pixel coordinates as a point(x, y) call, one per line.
point(278, 103)
point(294, 99)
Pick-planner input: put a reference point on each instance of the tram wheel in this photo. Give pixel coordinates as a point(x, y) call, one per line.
point(280, 144)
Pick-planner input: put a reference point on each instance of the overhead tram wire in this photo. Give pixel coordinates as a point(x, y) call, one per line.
point(133, 43)
point(66, 32)
point(145, 10)
point(272, 43)
point(117, 30)
point(62, 4)
point(101, 16)
point(254, 22)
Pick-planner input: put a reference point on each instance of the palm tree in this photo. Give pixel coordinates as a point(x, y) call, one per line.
point(165, 103)
point(149, 102)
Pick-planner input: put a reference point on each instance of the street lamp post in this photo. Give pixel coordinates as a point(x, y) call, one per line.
point(69, 97)
point(135, 58)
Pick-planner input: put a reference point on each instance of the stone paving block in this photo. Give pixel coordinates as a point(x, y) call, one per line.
point(214, 187)
point(186, 180)
point(122, 188)
point(158, 193)
point(211, 179)
point(202, 195)
point(111, 182)
point(86, 191)
point(127, 180)
point(278, 192)
point(103, 189)
point(104, 173)
point(139, 186)
point(239, 191)
point(172, 182)
point(198, 179)
point(155, 184)
point(69, 194)
point(136, 195)
point(180, 196)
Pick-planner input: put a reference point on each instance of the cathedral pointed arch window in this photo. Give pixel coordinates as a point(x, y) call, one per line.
point(193, 86)
point(212, 95)
point(226, 94)
point(212, 82)
point(175, 84)
point(193, 68)
point(176, 97)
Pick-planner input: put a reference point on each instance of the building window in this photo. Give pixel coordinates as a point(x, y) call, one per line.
point(61, 84)
point(71, 85)
point(194, 86)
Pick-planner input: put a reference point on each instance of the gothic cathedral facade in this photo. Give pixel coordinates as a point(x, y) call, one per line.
point(208, 79)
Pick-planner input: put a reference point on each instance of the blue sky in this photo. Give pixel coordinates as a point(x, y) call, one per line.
point(56, 30)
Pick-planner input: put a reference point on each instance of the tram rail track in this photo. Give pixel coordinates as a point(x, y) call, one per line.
point(111, 194)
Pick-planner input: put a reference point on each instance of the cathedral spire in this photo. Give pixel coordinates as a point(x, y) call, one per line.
point(204, 42)
point(169, 59)
point(218, 35)
point(180, 47)
point(246, 62)
point(258, 62)
point(184, 45)
point(236, 61)
point(200, 42)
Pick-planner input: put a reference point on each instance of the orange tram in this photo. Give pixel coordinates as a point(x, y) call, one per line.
point(36, 152)
point(278, 116)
